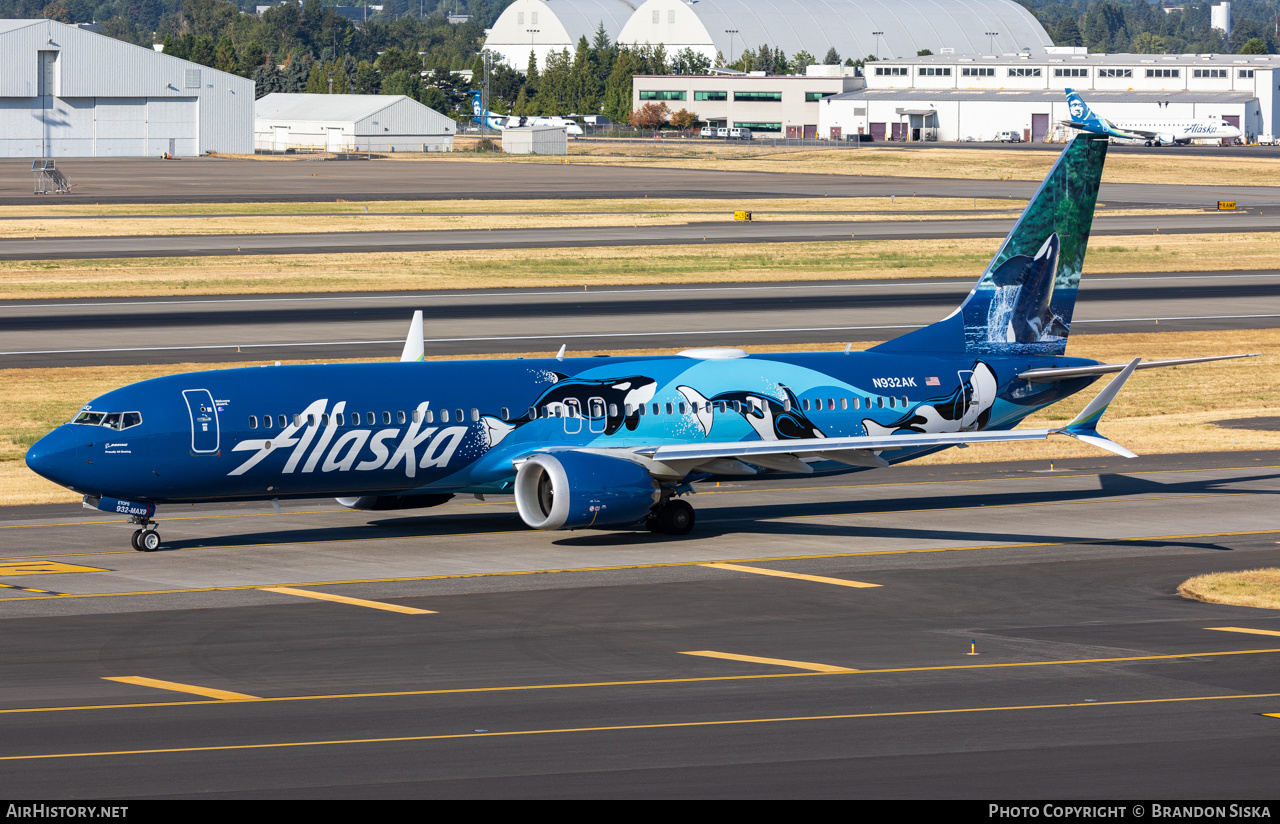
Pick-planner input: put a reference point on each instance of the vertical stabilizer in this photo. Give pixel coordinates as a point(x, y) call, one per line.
point(1024, 300)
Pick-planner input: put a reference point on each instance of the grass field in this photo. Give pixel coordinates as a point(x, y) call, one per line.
point(1217, 166)
point(1159, 411)
point(604, 266)
point(1249, 588)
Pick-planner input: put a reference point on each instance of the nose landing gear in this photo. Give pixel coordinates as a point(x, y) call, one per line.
point(146, 539)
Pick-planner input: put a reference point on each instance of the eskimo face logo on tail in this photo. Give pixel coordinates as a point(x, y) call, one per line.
point(1076, 106)
point(965, 409)
point(771, 419)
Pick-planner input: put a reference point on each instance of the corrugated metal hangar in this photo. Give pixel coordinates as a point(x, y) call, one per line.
point(978, 96)
point(854, 28)
point(66, 92)
point(350, 122)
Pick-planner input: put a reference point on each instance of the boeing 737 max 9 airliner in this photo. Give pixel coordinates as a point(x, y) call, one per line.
point(609, 442)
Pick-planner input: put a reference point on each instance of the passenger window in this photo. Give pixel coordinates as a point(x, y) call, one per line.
point(386, 417)
point(669, 410)
point(844, 403)
point(324, 419)
point(737, 406)
point(267, 421)
point(460, 417)
point(444, 415)
point(905, 402)
point(284, 421)
point(253, 421)
point(655, 409)
point(893, 402)
point(683, 409)
point(533, 413)
point(400, 416)
point(613, 410)
point(475, 414)
point(804, 404)
point(417, 416)
point(506, 414)
point(640, 410)
point(355, 418)
point(297, 419)
point(431, 416)
point(371, 418)
point(786, 405)
point(880, 402)
point(857, 403)
point(338, 418)
point(831, 403)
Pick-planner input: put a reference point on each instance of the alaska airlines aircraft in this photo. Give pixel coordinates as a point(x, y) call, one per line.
point(1152, 131)
point(501, 121)
point(612, 441)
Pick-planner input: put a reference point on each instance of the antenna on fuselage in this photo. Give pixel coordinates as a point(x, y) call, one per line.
point(413, 346)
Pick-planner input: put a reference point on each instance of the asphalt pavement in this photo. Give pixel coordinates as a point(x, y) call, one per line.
point(372, 325)
point(810, 639)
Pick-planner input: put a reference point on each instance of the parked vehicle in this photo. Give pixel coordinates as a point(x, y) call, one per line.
point(740, 134)
point(722, 132)
point(1008, 137)
point(707, 131)
point(1266, 140)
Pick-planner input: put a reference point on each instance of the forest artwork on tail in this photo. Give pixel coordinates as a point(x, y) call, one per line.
point(1024, 301)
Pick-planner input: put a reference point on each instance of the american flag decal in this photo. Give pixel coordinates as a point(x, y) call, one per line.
point(932, 382)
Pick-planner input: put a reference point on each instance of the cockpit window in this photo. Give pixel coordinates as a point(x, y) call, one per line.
point(111, 420)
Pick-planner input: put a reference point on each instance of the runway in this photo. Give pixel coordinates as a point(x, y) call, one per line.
point(256, 328)
point(682, 235)
point(810, 639)
point(218, 180)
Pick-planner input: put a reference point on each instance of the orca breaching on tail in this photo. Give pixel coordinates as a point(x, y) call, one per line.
point(610, 442)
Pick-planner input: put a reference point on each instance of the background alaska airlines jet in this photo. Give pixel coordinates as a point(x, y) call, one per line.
point(1152, 131)
point(502, 121)
point(609, 442)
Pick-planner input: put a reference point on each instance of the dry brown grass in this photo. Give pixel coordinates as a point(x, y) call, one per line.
point(1250, 588)
point(1159, 411)
point(1216, 167)
point(602, 266)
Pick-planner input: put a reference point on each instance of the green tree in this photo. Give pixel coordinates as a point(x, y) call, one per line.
point(832, 58)
point(1148, 43)
point(316, 81)
point(1254, 45)
point(582, 82)
point(923, 52)
point(617, 91)
point(434, 98)
point(56, 11)
point(225, 58)
point(252, 57)
point(208, 18)
point(1067, 32)
point(367, 79)
point(555, 87)
point(402, 82)
point(521, 106)
point(803, 60)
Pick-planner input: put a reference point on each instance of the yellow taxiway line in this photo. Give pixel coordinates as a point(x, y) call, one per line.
point(621, 567)
point(732, 722)
point(653, 681)
point(777, 573)
point(221, 695)
point(342, 599)
point(777, 662)
point(1246, 630)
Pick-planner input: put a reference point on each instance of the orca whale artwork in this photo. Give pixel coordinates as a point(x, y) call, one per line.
point(610, 442)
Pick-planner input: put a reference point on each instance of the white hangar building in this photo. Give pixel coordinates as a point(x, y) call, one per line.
point(67, 92)
point(350, 122)
point(543, 26)
point(849, 26)
point(962, 96)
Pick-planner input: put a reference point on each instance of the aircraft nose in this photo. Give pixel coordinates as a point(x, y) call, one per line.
point(53, 457)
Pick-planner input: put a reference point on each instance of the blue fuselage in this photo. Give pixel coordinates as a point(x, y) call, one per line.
point(397, 428)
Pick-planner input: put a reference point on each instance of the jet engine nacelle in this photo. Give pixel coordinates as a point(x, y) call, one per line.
point(381, 503)
point(573, 490)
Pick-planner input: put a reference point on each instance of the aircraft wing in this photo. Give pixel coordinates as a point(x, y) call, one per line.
point(1069, 372)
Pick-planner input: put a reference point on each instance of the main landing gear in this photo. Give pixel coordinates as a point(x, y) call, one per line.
point(675, 517)
point(145, 539)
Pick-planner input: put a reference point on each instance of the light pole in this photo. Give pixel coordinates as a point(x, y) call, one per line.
point(331, 84)
point(532, 32)
point(991, 40)
point(731, 33)
point(878, 35)
point(423, 55)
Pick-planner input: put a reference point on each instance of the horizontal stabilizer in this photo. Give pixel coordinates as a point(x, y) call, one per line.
point(1067, 373)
